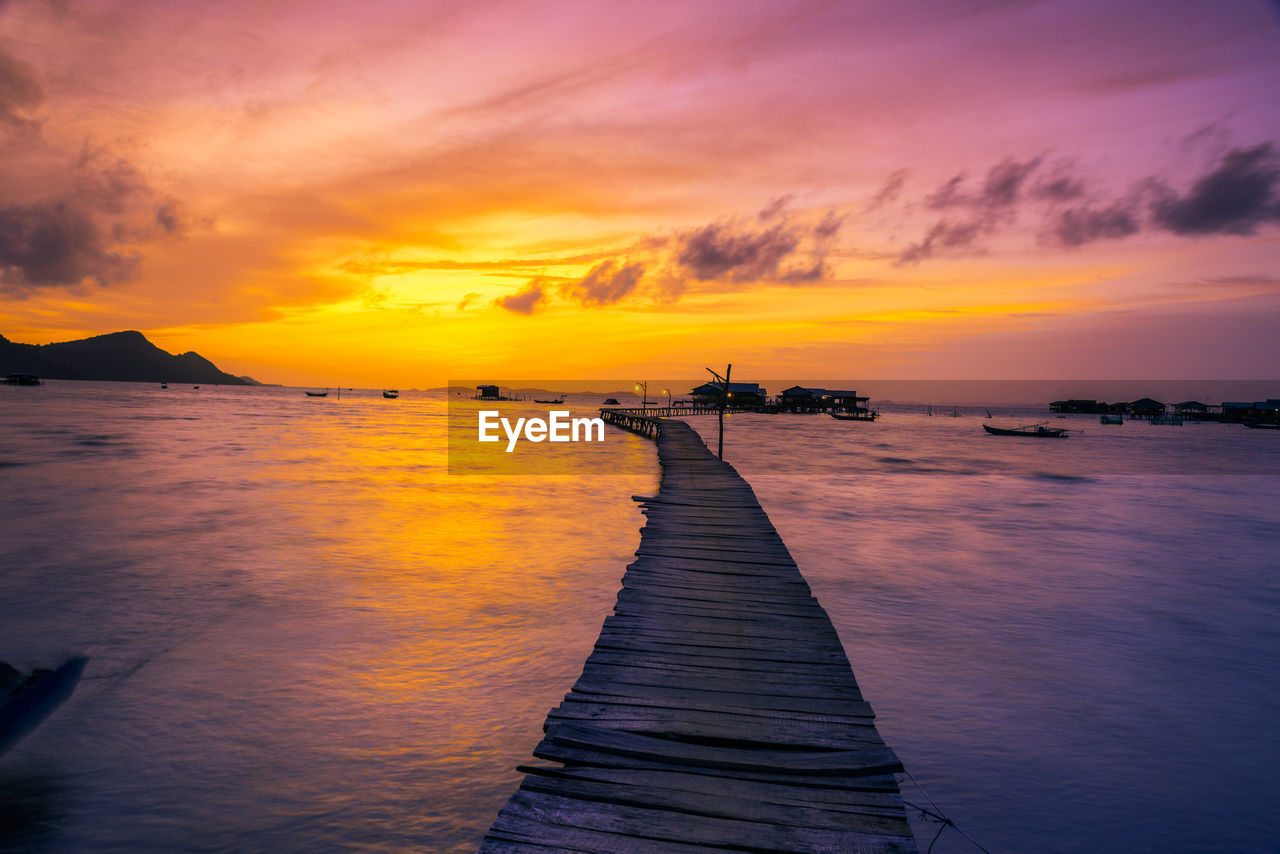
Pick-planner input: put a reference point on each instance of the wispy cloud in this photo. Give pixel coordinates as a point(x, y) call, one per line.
point(86, 235)
point(527, 300)
point(999, 190)
point(1238, 196)
point(606, 283)
point(788, 251)
point(888, 192)
point(1081, 225)
point(68, 219)
point(775, 246)
point(20, 92)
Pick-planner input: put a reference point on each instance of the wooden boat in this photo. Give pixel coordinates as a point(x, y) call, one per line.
point(25, 701)
point(324, 393)
point(1263, 425)
point(855, 416)
point(22, 379)
point(561, 400)
point(1034, 431)
point(1110, 419)
point(391, 393)
point(610, 401)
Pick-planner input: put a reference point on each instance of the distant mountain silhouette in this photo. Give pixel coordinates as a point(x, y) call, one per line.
point(119, 356)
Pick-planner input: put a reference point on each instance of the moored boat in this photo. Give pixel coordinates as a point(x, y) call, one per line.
point(560, 400)
point(1110, 419)
point(391, 393)
point(25, 701)
point(1263, 425)
point(324, 393)
point(1034, 431)
point(861, 415)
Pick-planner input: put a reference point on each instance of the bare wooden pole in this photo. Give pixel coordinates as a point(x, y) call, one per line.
point(724, 398)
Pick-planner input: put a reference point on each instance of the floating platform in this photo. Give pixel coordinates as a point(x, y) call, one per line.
point(718, 710)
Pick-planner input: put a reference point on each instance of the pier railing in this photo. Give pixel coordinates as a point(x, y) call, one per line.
point(675, 411)
point(630, 419)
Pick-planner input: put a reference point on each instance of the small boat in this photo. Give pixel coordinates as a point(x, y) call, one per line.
point(1168, 420)
point(560, 400)
point(391, 393)
point(1263, 425)
point(22, 379)
point(861, 415)
point(1034, 431)
point(1110, 419)
point(164, 385)
point(610, 401)
point(324, 393)
point(25, 701)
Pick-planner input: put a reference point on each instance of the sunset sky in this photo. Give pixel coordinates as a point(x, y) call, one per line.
point(400, 193)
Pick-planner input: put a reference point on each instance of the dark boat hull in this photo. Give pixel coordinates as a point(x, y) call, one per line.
point(36, 698)
point(1039, 433)
point(845, 416)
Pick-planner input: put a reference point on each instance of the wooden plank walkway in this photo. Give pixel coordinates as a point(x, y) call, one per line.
point(718, 710)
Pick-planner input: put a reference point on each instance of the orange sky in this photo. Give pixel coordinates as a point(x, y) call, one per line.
point(409, 193)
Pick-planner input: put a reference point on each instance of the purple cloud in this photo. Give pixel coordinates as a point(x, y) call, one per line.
point(19, 91)
point(944, 235)
point(1240, 195)
point(528, 300)
point(606, 283)
point(1237, 197)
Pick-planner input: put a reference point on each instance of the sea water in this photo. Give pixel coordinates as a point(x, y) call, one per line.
point(307, 632)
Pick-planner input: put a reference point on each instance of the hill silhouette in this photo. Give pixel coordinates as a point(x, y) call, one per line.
point(118, 356)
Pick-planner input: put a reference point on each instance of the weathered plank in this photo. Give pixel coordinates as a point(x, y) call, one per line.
point(817, 675)
point(682, 828)
point(776, 792)
point(718, 710)
point(743, 806)
point(719, 727)
point(852, 713)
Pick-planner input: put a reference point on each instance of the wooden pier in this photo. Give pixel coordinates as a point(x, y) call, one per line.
point(718, 710)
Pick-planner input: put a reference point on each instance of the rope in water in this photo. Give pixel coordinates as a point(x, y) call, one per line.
point(937, 815)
